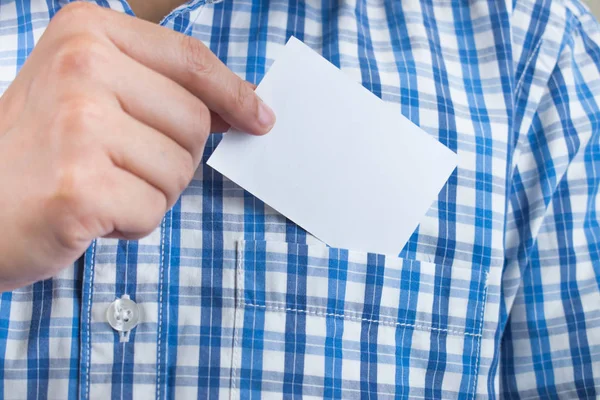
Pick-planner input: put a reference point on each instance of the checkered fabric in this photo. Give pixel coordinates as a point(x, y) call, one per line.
point(496, 294)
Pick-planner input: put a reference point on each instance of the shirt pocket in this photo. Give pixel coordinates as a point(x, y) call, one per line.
point(314, 321)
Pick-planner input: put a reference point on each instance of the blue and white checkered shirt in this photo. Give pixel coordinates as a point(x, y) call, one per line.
point(495, 295)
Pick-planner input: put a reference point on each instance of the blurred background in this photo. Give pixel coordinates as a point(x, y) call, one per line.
point(595, 5)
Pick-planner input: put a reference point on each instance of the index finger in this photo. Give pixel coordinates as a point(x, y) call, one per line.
point(192, 65)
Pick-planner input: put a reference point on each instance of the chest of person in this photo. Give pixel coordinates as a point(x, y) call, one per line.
point(233, 291)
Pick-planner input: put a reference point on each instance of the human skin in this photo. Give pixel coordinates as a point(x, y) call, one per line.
point(101, 131)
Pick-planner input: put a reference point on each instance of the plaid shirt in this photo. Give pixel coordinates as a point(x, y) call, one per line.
point(496, 294)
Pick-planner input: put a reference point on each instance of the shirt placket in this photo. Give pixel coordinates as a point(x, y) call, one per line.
point(124, 328)
point(122, 301)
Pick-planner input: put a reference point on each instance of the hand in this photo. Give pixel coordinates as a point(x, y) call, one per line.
point(100, 133)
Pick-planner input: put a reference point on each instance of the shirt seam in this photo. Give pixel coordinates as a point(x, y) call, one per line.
point(479, 344)
point(530, 59)
point(274, 306)
point(160, 307)
point(89, 322)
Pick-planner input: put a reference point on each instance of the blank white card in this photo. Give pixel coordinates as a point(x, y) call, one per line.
point(339, 162)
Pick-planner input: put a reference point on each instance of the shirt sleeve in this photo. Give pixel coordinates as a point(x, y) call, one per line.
point(551, 340)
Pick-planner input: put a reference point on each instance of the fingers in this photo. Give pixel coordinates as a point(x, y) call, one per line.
point(135, 212)
point(97, 200)
point(190, 63)
point(161, 104)
point(151, 156)
point(177, 57)
point(217, 124)
point(151, 171)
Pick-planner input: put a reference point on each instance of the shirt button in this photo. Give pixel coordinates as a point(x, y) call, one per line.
point(123, 315)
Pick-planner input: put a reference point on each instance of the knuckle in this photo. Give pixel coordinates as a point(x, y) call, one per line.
point(157, 208)
point(185, 174)
point(70, 233)
point(77, 115)
point(196, 57)
point(245, 99)
point(70, 177)
point(81, 55)
point(73, 218)
point(200, 129)
point(67, 204)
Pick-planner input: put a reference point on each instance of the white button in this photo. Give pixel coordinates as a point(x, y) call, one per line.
point(123, 315)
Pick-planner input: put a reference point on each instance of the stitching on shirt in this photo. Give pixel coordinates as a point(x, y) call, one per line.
point(236, 329)
point(484, 299)
point(281, 307)
point(242, 303)
point(160, 304)
point(527, 64)
point(234, 357)
point(89, 321)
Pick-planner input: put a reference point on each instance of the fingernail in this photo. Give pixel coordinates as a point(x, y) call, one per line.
point(266, 116)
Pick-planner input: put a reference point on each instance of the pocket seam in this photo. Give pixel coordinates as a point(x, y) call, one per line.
point(279, 307)
point(238, 288)
point(313, 311)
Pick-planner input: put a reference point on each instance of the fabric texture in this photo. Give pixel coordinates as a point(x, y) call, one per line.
point(496, 294)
